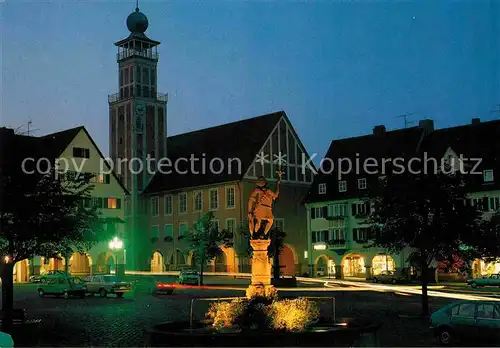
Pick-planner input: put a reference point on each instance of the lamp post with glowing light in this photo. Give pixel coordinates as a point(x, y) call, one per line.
point(116, 245)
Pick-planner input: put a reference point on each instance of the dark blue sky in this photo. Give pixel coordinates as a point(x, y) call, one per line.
point(336, 68)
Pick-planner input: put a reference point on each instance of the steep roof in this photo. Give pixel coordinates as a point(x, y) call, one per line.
point(237, 140)
point(472, 141)
point(49, 146)
point(389, 144)
point(54, 144)
point(476, 144)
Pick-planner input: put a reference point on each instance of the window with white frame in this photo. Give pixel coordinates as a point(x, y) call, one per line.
point(362, 183)
point(167, 200)
point(494, 204)
point(322, 188)
point(183, 228)
point(182, 203)
point(198, 201)
point(169, 231)
point(320, 236)
point(279, 223)
point(214, 199)
point(342, 186)
point(230, 197)
point(488, 175)
point(154, 206)
point(231, 225)
point(360, 209)
point(339, 209)
point(319, 212)
point(337, 234)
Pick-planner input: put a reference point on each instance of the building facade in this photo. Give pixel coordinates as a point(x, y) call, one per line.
point(338, 236)
point(215, 169)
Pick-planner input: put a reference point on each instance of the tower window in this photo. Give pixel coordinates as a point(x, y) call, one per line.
point(145, 91)
point(145, 75)
point(121, 78)
point(138, 74)
point(153, 76)
point(139, 91)
point(153, 95)
point(132, 90)
point(131, 74)
point(121, 141)
point(125, 76)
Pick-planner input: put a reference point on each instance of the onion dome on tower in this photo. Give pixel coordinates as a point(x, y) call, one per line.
point(137, 22)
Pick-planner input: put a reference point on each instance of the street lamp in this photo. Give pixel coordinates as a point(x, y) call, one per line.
point(115, 244)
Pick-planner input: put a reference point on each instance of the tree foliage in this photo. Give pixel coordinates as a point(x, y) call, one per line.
point(428, 213)
point(41, 214)
point(206, 240)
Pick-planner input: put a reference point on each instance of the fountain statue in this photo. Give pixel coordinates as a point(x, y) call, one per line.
point(260, 209)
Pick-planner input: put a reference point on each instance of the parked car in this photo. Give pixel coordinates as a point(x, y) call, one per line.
point(61, 286)
point(479, 320)
point(6, 340)
point(189, 276)
point(491, 280)
point(107, 284)
point(163, 288)
point(39, 278)
point(387, 277)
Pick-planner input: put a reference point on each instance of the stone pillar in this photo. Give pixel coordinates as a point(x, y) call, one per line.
point(261, 268)
point(368, 272)
point(338, 272)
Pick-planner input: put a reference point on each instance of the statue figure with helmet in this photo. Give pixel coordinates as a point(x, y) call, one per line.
point(260, 206)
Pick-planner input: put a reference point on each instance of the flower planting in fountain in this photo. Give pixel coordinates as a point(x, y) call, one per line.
point(264, 313)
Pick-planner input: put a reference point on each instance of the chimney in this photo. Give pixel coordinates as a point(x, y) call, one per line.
point(476, 121)
point(379, 130)
point(426, 125)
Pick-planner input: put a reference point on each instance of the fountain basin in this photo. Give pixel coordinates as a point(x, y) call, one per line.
point(346, 333)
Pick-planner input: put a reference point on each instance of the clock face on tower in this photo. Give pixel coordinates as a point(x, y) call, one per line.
point(139, 109)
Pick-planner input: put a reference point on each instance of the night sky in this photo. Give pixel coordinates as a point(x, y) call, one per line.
point(336, 68)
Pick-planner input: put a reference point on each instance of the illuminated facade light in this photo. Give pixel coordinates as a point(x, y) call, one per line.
point(320, 247)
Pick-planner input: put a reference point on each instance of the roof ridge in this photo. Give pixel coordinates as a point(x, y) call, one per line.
point(62, 131)
point(228, 124)
point(466, 125)
point(371, 134)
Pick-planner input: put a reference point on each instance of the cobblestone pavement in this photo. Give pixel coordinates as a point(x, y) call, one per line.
point(114, 322)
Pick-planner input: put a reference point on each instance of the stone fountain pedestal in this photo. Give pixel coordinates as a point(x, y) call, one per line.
point(261, 269)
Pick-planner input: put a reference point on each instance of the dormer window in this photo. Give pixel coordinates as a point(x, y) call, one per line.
point(342, 186)
point(488, 175)
point(322, 189)
point(362, 183)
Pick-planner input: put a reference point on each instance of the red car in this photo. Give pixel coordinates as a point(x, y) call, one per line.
point(162, 288)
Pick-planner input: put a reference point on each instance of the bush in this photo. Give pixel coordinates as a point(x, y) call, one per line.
point(293, 315)
point(264, 313)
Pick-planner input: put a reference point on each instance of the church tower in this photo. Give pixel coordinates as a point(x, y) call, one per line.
point(137, 123)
